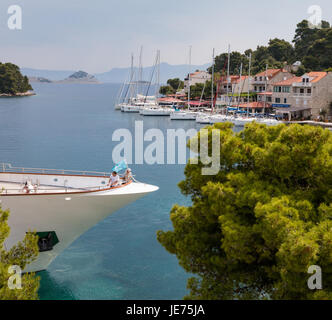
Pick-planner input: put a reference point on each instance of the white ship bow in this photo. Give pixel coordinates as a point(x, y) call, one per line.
point(61, 206)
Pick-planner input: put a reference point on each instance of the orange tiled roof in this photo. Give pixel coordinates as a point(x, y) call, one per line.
point(288, 82)
point(317, 76)
point(270, 73)
point(235, 79)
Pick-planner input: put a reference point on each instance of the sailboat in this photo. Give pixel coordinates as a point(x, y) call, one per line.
point(185, 114)
point(154, 109)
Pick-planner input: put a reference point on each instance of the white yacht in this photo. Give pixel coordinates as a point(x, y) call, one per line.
point(217, 118)
point(203, 118)
point(60, 205)
point(130, 108)
point(242, 121)
point(268, 121)
point(155, 111)
point(183, 115)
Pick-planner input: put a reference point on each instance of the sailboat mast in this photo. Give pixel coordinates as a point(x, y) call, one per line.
point(158, 75)
point(189, 77)
point(249, 84)
point(140, 78)
point(131, 79)
point(240, 90)
point(265, 88)
point(228, 67)
point(212, 88)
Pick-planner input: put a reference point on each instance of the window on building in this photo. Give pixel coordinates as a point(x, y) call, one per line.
point(301, 90)
point(277, 100)
point(255, 88)
point(285, 100)
point(269, 99)
point(309, 91)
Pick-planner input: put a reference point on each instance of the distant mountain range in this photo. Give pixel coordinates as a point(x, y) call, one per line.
point(117, 75)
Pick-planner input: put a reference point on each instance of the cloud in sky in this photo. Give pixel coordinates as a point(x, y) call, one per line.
point(98, 35)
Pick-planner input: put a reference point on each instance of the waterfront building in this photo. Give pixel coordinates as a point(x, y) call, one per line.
point(237, 90)
point(303, 97)
point(264, 81)
point(195, 78)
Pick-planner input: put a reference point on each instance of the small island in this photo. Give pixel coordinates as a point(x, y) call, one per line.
point(13, 83)
point(39, 79)
point(80, 77)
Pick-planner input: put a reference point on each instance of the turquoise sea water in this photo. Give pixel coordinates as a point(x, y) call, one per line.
point(70, 127)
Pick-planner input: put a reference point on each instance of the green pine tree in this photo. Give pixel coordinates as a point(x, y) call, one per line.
point(255, 228)
point(20, 255)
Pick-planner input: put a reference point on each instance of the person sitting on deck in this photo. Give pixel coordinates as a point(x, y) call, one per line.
point(27, 187)
point(114, 179)
point(128, 175)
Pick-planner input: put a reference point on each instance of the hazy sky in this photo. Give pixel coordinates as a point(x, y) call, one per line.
point(98, 35)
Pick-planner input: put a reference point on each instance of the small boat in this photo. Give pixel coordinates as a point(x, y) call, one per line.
point(183, 115)
point(203, 119)
point(155, 111)
point(269, 121)
point(217, 118)
point(120, 106)
point(131, 108)
point(242, 121)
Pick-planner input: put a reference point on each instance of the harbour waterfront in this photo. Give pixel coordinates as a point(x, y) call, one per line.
point(70, 126)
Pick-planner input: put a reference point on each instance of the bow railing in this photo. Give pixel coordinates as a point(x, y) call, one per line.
point(7, 167)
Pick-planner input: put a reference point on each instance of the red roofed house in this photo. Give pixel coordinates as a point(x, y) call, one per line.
point(263, 81)
point(303, 97)
point(235, 85)
point(196, 77)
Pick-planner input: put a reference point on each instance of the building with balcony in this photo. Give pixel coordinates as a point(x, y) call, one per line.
point(235, 85)
point(195, 78)
point(264, 81)
point(237, 90)
point(303, 97)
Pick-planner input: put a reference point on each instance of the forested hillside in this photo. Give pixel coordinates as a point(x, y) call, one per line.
point(311, 46)
point(12, 82)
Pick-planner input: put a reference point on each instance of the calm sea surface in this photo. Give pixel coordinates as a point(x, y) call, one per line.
point(68, 126)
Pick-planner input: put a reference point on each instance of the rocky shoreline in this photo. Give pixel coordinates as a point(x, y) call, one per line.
point(19, 94)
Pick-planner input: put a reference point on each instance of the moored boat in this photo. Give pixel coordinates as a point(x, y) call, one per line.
point(183, 115)
point(155, 111)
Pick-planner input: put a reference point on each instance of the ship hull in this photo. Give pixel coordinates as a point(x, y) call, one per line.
point(68, 215)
